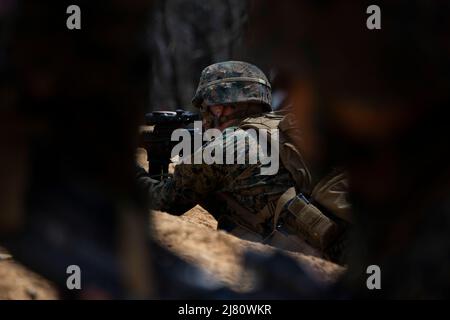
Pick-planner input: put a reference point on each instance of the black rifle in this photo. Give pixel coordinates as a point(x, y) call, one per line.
point(157, 141)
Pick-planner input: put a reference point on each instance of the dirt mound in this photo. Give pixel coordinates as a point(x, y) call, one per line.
point(19, 283)
point(193, 237)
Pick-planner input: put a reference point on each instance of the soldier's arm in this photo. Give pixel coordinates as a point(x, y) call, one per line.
point(179, 193)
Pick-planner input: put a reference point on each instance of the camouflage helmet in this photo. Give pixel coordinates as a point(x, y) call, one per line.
point(232, 82)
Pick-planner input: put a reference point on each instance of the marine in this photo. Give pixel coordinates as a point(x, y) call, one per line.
point(265, 208)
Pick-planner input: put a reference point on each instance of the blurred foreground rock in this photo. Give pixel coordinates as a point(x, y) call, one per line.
point(19, 283)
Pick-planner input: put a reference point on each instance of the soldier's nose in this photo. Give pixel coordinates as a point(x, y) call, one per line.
point(216, 110)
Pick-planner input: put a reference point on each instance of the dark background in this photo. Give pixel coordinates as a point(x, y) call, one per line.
point(373, 101)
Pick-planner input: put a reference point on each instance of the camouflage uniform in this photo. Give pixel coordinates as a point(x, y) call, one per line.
point(193, 184)
point(224, 83)
point(239, 197)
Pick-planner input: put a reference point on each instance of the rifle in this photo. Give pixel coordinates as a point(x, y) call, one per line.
point(157, 140)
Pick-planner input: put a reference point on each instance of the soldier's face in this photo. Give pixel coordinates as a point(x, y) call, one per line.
point(218, 111)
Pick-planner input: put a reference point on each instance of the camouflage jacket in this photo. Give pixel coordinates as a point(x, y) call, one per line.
point(245, 189)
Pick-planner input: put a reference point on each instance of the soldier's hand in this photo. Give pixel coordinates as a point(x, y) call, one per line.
point(140, 172)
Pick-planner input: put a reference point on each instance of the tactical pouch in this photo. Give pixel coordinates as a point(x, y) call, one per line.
point(310, 222)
